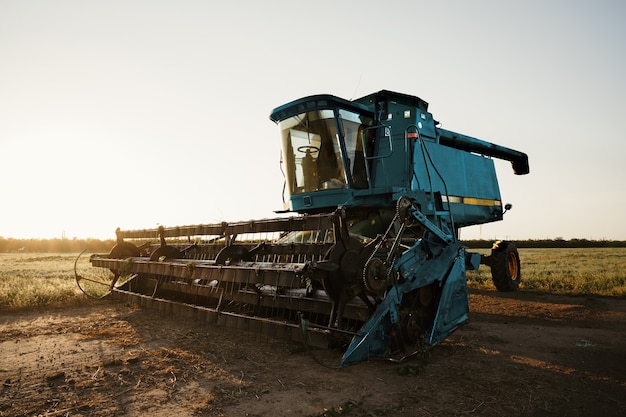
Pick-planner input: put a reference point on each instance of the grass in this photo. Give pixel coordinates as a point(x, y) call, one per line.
point(31, 280)
point(579, 271)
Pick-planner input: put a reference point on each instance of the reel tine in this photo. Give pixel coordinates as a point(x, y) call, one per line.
point(91, 281)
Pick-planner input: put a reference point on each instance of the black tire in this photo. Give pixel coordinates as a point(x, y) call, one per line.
point(505, 266)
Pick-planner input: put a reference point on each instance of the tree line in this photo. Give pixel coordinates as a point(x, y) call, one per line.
point(552, 243)
point(60, 245)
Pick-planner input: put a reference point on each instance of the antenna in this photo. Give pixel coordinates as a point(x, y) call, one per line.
point(358, 84)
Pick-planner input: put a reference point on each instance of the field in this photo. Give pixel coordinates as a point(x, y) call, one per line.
point(579, 271)
point(557, 347)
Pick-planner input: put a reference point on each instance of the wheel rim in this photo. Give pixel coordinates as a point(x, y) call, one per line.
point(513, 266)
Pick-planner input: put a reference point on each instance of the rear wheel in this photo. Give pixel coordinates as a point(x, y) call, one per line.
point(505, 266)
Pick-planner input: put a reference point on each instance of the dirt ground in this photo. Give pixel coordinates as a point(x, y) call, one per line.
point(521, 354)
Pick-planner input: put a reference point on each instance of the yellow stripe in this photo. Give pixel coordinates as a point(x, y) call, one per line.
point(471, 200)
point(481, 201)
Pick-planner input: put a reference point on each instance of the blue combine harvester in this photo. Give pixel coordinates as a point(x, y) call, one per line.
point(369, 259)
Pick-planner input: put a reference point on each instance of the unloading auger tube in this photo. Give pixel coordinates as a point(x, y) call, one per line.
point(369, 262)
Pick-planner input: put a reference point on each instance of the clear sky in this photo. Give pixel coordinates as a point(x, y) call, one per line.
point(138, 113)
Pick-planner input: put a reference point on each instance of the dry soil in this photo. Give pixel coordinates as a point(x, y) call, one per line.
point(521, 354)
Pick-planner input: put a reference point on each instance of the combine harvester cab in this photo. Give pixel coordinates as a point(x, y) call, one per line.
point(368, 260)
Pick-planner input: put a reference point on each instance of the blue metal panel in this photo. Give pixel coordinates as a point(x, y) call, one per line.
point(454, 173)
point(467, 182)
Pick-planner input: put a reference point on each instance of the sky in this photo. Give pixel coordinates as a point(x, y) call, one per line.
point(137, 113)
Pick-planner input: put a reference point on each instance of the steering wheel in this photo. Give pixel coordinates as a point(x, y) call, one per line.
point(308, 149)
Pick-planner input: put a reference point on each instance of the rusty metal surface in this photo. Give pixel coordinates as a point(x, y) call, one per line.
point(267, 297)
point(238, 275)
point(268, 327)
point(308, 222)
point(279, 274)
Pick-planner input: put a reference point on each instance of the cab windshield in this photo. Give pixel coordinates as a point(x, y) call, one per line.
point(313, 148)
